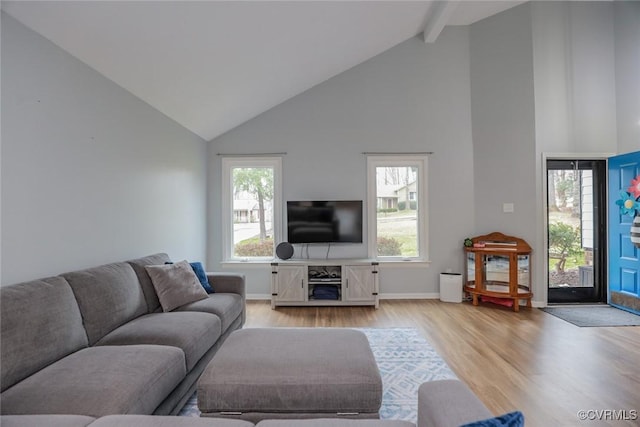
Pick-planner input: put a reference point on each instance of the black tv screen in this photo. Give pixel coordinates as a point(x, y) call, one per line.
point(335, 221)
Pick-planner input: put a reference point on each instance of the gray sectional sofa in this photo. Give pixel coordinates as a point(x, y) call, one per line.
point(96, 342)
point(94, 348)
point(446, 403)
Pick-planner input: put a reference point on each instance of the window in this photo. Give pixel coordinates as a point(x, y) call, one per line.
point(251, 207)
point(397, 207)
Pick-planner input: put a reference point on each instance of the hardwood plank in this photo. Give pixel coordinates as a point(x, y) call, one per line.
point(530, 360)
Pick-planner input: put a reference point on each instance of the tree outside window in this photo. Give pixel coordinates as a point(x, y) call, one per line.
point(250, 197)
point(253, 205)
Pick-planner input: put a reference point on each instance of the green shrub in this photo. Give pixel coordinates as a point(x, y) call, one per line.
point(254, 247)
point(564, 241)
point(388, 246)
point(389, 210)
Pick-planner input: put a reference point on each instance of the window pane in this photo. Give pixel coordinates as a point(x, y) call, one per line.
point(397, 211)
point(252, 212)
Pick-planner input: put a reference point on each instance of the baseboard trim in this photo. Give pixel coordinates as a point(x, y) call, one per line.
point(262, 297)
point(258, 297)
point(424, 295)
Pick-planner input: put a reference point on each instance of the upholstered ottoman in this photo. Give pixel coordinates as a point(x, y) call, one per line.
point(292, 373)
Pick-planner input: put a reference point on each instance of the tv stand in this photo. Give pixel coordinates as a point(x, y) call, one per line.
point(324, 282)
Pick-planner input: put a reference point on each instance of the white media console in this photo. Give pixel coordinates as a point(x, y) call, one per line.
point(324, 282)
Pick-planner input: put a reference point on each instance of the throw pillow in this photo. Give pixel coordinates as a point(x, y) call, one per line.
point(198, 268)
point(512, 419)
point(176, 284)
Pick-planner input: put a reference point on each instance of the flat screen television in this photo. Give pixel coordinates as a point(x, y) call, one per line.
point(328, 221)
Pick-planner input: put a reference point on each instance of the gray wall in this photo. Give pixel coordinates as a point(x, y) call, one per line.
point(413, 97)
point(627, 36)
point(90, 174)
point(503, 123)
point(545, 77)
point(503, 106)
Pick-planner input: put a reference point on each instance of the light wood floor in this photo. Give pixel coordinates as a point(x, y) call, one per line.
point(531, 361)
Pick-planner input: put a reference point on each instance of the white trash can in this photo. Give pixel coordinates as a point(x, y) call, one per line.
point(451, 287)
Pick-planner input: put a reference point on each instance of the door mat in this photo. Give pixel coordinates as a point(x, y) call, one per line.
point(405, 360)
point(590, 316)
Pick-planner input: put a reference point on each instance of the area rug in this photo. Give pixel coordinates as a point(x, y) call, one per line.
point(590, 316)
point(405, 360)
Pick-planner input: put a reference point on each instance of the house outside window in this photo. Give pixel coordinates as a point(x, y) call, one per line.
point(397, 209)
point(251, 197)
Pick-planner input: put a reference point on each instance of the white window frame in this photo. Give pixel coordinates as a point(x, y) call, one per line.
point(419, 161)
point(230, 163)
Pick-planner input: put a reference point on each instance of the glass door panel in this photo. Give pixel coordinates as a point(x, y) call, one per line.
point(576, 239)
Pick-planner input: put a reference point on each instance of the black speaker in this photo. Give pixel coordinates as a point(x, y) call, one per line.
point(284, 250)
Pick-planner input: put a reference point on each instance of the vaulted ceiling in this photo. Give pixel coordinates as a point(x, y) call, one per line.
point(213, 65)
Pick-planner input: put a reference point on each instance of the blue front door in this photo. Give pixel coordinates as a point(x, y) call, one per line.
point(624, 256)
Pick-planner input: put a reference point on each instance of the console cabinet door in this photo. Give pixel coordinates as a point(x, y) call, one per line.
point(360, 283)
point(289, 281)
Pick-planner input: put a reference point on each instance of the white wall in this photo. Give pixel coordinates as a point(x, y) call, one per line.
point(413, 97)
point(575, 81)
point(90, 174)
point(627, 49)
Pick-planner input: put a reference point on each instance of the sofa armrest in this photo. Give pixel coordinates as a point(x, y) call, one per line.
point(231, 283)
point(448, 403)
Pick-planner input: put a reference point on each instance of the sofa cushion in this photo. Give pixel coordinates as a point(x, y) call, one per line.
point(109, 296)
point(194, 333)
point(153, 303)
point(165, 421)
point(41, 323)
point(334, 422)
point(45, 420)
point(98, 381)
point(176, 284)
point(226, 306)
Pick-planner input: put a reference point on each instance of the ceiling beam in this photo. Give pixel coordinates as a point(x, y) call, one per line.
point(439, 14)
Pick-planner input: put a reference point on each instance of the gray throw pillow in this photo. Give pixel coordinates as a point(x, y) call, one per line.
point(176, 284)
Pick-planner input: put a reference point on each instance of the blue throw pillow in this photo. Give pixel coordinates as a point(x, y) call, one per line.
point(198, 269)
point(202, 276)
point(512, 419)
